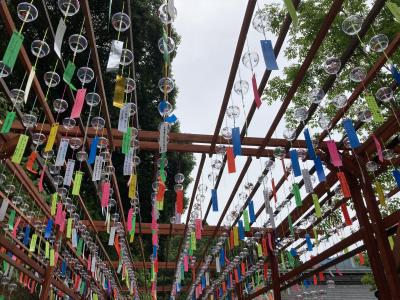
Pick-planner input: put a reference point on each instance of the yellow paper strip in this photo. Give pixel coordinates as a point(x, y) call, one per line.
point(118, 100)
point(132, 187)
point(391, 242)
point(52, 257)
point(33, 243)
point(235, 236)
point(20, 149)
point(47, 250)
point(381, 195)
point(53, 204)
point(69, 228)
point(52, 137)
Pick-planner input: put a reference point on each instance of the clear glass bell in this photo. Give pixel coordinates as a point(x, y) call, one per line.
point(38, 138)
point(233, 111)
point(17, 200)
point(358, 74)
point(121, 22)
point(53, 169)
point(75, 143)
point(98, 123)
point(269, 164)
point(58, 180)
point(200, 198)
point(166, 16)
point(29, 120)
point(40, 48)
point(248, 186)
point(289, 134)
point(178, 187)
point(332, 65)
point(301, 114)
point(168, 45)
point(5, 71)
point(179, 178)
point(130, 85)
point(226, 133)
point(250, 60)
point(78, 43)
point(202, 188)
point(17, 96)
point(51, 79)
point(92, 99)
point(372, 166)
point(365, 116)
point(260, 21)
point(126, 57)
point(388, 154)
point(216, 164)
point(317, 95)
point(384, 94)
point(85, 75)
point(62, 192)
point(27, 12)
point(352, 25)
point(103, 143)
point(68, 123)
point(164, 108)
point(220, 149)
point(2, 178)
point(69, 7)
point(241, 87)
point(9, 189)
point(379, 43)
point(212, 176)
point(166, 85)
point(324, 121)
point(60, 105)
point(279, 152)
point(339, 101)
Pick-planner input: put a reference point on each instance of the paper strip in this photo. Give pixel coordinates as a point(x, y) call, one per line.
point(394, 9)
point(246, 220)
point(77, 183)
point(320, 170)
point(14, 232)
point(231, 160)
point(8, 122)
point(334, 154)
point(344, 185)
point(49, 228)
point(69, 228)
point(132, 187)
point(62, 152)
point(163, 141)
point(115, 56)
point(351, 133)
point(198, 228)
point(309, 243)
point(28, 86)
point(374, 109)
point(310, 146)
point(93, 150)
point(346, 214)
point(395, 73)
point(3, 208)
point(69, 74)
point(119, 91)
point(378, 148)
point(124, 115)
point(237, 148)
point(53, 204)
point(316, 205)
point(269, 55)
point(59, 37)
point(126, 141)
point(294, 157)
point(52, 137)
point(20, 149)
point(381, 194)
point(292, 12)
point(112, 236)
point(78, 104)
point(26, 235)
point(179, 201)
point(98, 166)
point(105, 193)
point(69, 171)
point(12, 51)
point(31, 161)
point(307, 181)
point(396, 175)
point(32, 246)
point(296, 194)
point(214, 199)
point(256, 94)
point(252, 212)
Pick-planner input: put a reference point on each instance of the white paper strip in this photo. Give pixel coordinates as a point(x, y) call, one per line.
point(217, 264)
point(307, 181)
point(62, 152)
point(74, 238)
point(171, 9)
point(69, 171)
point(3, 209)
point(115, 56)
point(124, 114)
point(207, 278)
point(10, 272)
point(128, 162)
point(98, 166)
point(93, 266)
point(271, 217)
point(119, 268)
point(266, 193)
point(163, 137)
point(59, 37)
point(29, 83)
point(112, 236)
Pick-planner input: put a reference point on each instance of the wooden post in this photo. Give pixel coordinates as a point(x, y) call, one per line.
point(276, 284)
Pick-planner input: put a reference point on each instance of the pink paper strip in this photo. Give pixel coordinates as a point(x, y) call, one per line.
point(59, 214)
point(14, 232)
point(270, 242)
point(79, 100)
point(89, 262)
point(105, 194)
point(62, 222)
point(129, 222)
point(154, 239)
point(40, 185)
point(186, 263)
point(333, 152)
point(55, 258)
point(378, 148)
point(257, 98)
point(198, 229)
point(153, 219)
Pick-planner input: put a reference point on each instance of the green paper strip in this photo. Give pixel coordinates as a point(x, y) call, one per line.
point(182, 272)
point(53, 204)
point(317, 206)
point(11, 219)
point(47, 250)
point(82, 289)
point(259, 250)
point(291, 225)
point(69, 228)
point(391, 242)
point(296, 193)
point(95, 297)
point(5, 266)
point(374, 109)
point(395, 10)
point(32, 246)
point(315, 236)
point(20, 149)
point(290, 259)
point(283, 260)
point(132, 232)
point(246, 220)
point(292, 12)
point(68, 74)
point(152, 273)
point(8, 122)
point(126, 141)
point(193, 240)
point(79, 248)
point(162, 167)
point(77, 183)
point(12, 51)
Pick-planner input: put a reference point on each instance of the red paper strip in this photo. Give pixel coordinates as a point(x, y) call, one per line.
point(62, 221)
point(105, 193)
point(321, 276)
point(179, 201)
point(257, 98)
point(161, 190)
point(333, 152)
point(79, 100)
point(156, 265)
point(231, 160)
point(198, 229)
point(77, 278)
point(270, 242)
point(274, 190)
point(235, 271)
point(243, 267)
point(315, 280)
point(264, 246)
point(346, 215)
point(116, 245)
point(40, 185)
point(361, 257)
point(378, 148)
point(31, 161)
point(154, 238)
point(14, 232)
point(344, 185)
point(266, 271)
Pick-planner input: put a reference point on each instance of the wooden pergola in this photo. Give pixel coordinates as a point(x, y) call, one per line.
point(374, 228)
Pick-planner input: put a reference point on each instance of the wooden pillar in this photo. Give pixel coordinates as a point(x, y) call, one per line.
point(276, 284)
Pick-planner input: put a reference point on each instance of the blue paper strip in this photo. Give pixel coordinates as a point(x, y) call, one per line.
point(306, 283)
point(294, 157)
point(293, 252)
point(154, 251)
point(49, 227)
point(171, 119)
point(241, 230)
point(251, 212)
point(309, 243)
point(214, 199)
point(203, 282)
point(93, 149)
point(239, 274)
point(310, 147)
point(237, 147)
point(228, 281)
point(269, 55)
point(320, 170)
point(63, 267)
point(395, 73)
point(396, 175)
point(26, 235)
point(351, 133)
point(222, 257)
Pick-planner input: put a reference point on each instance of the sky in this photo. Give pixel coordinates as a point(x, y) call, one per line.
point(209, 30)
